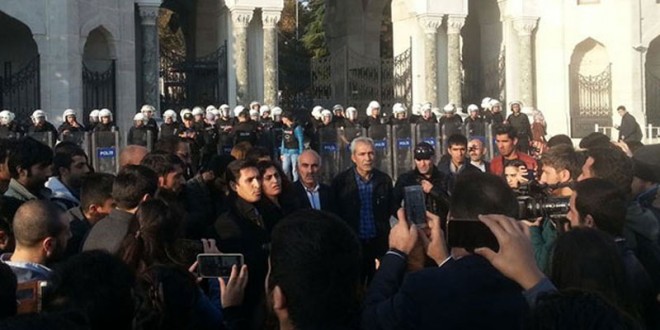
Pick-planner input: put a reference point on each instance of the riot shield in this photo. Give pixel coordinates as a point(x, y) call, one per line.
point(489, 142)
point(46, 138)
point(404, 147)
point(346, 135)
point(79, 138)
point(430, 133)
point(105, 151)
point(382, 136)
point(329, 147)
point(142, 138)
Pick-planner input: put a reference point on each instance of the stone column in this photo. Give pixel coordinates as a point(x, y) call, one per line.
point(241, 19)
point(454, 26)
point(150, 54)
point(269, 20)
point(525, 26)
point(430, 24)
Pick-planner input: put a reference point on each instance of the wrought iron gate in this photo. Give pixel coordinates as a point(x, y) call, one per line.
point(20, 92)
point(652, 98)
point(99, 90)
point(591, 101)
point(190, 82)
point(351, 79)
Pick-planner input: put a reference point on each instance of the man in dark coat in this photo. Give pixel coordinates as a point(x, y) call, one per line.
point(456, 164)
point(629, 130)
point(309, 191)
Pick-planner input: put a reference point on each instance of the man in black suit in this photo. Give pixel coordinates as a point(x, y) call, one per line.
point(309, 192)
point(464, 290)
point(364, 200)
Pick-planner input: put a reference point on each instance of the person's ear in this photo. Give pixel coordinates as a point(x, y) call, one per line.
point(48, 245)
point(4, 240)
point(232, 185)
point(589, 221)
point(145, 198)
point(161, 181)
point(279, 299)
point(515, 141)
point(564, 175)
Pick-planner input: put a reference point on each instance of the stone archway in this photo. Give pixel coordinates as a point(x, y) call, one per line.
point(19, 75)
point(483, 52)
point(98, 72)
point(590, 86)
point(652, 83)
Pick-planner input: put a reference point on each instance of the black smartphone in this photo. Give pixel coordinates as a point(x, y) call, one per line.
point(470, 234)
point(415, 205)
point(214, 265)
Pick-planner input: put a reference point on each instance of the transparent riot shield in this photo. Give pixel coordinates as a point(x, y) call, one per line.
point(489, 142)
point(6, 133)
point(46, 138)
point(142, 138)
point(403, 148)
point(346, 135)
point(105, 151)
point(382, 136)
point(329, 148)
point(430, 133)
point(79, 138)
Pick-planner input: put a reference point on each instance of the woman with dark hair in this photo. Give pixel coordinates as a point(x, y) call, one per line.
point(588, 259)
point(152, 241)
point(276, 200)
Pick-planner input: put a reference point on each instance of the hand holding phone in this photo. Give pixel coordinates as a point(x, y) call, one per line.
point(214, 265)
point(415, 205)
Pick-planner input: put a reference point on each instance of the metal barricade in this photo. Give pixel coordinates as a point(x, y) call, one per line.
point(329, 149)
point(382, 136)
point(105, 151)
point(403, 149)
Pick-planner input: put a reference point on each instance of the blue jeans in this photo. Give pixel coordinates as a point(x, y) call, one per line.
point(290, 163)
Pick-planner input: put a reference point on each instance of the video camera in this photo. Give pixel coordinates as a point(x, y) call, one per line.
point(535, 201)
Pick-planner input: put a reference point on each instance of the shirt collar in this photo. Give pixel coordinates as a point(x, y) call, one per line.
point(359, 178)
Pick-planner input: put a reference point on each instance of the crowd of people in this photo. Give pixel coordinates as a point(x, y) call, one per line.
point(544, 235)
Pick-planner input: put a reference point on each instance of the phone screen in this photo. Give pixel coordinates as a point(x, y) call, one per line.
point(470, 234)
point(217, 265)
point(415, 205)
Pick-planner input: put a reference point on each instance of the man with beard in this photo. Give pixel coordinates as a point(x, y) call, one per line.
point(30, 165)
point(69, 165)
point(476, 153)
point(41, 234)
point(310, 192)
point(426, 174)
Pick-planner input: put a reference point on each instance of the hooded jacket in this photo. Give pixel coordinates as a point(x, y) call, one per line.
point(61, 195)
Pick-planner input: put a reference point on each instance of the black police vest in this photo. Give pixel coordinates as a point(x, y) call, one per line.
point(289, 137)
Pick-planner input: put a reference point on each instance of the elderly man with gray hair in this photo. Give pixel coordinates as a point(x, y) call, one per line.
point(364, 200)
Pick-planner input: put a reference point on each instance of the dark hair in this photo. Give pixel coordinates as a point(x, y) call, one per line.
point(621, 107)
point(8, 287)
point(263, 165)
point(234, 168)
point(604, 201)
point(457, 139)
point(514, 163)
point(151, 237)
point(576, 309)
point(482, 193)
point(96, 188)
point(64, 153)
point(509, 130)
point(315, 260)
point(168, 144)
point(257, 152)
point(5, 149)
point(36, 220)
point(563, 157)
point(161, 162)
point(131, 184)
point(27, 152)
point(595, 140)
point(97, 284)
point(559, 139)
point(588, 259)
point(613, 165)
point(165, 298)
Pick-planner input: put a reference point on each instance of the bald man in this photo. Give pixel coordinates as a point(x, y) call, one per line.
point(310, 192)
point(132, 155)
point(41, 233)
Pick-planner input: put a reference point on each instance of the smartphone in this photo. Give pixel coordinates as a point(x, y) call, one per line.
point(214, 265)
point(415, 206)
point(470, 234)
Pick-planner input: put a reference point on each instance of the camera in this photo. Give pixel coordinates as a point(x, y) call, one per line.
point(535, 201)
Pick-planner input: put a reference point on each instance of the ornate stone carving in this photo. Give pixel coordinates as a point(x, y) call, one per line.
point(270, 19)
point(430, 23)
point(525, 25)
point(455, 24)
point(241, 17)
point(148, 14)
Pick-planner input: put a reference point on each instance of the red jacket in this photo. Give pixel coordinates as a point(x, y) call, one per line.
point(497, 164)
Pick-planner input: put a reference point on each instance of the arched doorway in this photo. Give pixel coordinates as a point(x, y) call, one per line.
point(19, 78)
point(590, 73)
point(483, 52)
point(99, 82)
point(653, 82)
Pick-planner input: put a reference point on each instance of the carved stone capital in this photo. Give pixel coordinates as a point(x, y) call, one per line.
point(430, 23)
point(148, 14)
point(241, 17)
point(455, 24)
point(270, 19)
point(525, 25)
